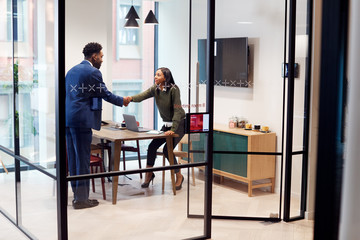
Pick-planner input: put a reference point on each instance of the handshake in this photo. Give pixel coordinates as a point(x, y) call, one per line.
point(126, 101)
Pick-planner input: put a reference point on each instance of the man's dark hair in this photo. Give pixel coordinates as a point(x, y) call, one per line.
point(91, 48)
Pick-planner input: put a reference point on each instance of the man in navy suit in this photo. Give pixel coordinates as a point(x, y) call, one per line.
point(85, 90)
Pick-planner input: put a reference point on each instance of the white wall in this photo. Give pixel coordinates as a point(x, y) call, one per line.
point(261, 103)
point(174, 41)
point(89, 21)
point(174, 44)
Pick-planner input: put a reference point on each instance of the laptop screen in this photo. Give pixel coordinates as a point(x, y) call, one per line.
point(130, 122)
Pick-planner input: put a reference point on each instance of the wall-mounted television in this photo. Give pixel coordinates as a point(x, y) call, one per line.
point(231, 62)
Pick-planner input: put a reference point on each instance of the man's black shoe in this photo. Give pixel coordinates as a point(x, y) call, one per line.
point(85, 204)
point(90, 200)
point(94, 201)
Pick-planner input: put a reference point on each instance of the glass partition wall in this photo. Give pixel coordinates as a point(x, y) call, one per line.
point(247, 102)
point(131, 58)
point(248, 106)
point(7, 185)
point(251, 107)
point(27, 122)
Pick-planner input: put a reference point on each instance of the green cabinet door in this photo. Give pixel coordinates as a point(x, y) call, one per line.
point(231, 163)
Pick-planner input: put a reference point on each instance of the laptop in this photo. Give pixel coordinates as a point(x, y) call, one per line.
point(131, 124)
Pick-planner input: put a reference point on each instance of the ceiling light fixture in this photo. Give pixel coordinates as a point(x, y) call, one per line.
point(151, 19)
point(131, 23)
point(131, 18)
point(245, 22)
point(132, 13)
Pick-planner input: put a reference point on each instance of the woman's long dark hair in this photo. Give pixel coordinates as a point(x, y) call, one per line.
point(169, 80)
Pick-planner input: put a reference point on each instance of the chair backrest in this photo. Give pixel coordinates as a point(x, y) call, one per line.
point(95, 149)
point(185, 139)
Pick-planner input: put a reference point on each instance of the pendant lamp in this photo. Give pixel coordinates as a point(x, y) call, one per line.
point(151, 19)
point(132, 14)
point(131, 23)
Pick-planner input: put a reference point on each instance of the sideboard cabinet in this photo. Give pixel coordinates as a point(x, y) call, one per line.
point(242, 167)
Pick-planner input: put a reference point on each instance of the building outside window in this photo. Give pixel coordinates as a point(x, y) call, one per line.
point(133, 64)
point(22, 70)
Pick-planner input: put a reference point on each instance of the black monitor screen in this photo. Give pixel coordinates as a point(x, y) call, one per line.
point(231, 61)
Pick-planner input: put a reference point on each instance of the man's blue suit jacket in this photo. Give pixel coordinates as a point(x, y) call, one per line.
point(85, 90)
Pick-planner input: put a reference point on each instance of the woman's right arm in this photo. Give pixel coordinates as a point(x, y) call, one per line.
point(144, 95)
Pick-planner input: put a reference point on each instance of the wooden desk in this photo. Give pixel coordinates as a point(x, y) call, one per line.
point(116, 136)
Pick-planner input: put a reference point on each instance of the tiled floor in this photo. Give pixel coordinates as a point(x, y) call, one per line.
point(150, 213)
point(8, 231)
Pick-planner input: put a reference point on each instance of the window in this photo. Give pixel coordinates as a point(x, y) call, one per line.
point(132, 71)
point(127, 36)
point(128, 40)
point(20, 14)
point(127, 88)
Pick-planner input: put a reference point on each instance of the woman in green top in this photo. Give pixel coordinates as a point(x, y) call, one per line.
point(167, 98)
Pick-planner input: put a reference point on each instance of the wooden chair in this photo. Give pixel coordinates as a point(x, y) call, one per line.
point(185, 140)
point(95, 161)
point(180, 154)
point(4, 167)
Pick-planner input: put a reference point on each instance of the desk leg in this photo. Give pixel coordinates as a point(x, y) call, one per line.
point(170, 147)
point(116, 150)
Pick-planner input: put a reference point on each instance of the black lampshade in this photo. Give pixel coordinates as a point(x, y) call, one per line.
point(151, 19)
point(131, 23)
point(132, 14)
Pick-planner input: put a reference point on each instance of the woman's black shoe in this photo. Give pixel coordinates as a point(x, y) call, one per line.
point(180, 186)
point(146, 184)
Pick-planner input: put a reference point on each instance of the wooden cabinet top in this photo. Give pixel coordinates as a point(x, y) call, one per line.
point(239, 131)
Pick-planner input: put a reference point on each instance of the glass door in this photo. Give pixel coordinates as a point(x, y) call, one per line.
point(251, 106)
point(248, 106)
point(131, 58)
point(298, 110)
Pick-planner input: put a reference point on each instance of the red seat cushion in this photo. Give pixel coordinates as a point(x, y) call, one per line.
point(95, 159)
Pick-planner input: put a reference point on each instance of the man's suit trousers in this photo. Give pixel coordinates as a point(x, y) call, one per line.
point(78, 143)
